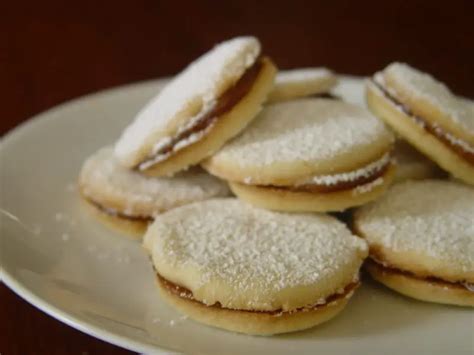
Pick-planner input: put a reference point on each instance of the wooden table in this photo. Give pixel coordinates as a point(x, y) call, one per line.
point(53, 51)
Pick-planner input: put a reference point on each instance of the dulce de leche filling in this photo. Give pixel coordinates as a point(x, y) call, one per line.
point(367, 177)
point(183, 292)
point(432, 129)
point(388, 269)
point(224, 104)
point(118, 214)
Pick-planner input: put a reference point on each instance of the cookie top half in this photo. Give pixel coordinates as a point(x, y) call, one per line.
point(430, 99)
point(111, 186)
point(186, 98)
point(302, 138)
point(425, 227)
point(246, 258)
point(302, 82)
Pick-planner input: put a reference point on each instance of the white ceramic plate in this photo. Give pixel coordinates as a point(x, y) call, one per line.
point(57, 257)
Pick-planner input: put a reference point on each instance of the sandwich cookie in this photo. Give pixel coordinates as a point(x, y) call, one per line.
point(411, 165)
point(230, 265)
point(129, 201)
point(308, 155)
point(296, 83)
point(208, 103)
point(421, 239)
point(428, 115)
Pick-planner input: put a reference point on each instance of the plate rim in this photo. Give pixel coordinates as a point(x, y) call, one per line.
point(26, 293)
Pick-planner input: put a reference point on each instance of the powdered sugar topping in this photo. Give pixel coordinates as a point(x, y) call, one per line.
point(430, 217)
point(364, 172)
point(247, 247)
point(305, 130)
point(103, 176)
point(425, 87)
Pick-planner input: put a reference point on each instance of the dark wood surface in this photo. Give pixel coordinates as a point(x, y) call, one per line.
point(53, 51)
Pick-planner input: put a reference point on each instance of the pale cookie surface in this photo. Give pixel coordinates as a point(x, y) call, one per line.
point(424, 227)
point(299, 139)
point(431, 99)
point(295, 83)
point(105, 182)
point(186, 98)
point(245, 258)
point(412, 165)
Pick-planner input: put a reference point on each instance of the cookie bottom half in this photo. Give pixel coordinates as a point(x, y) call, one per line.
point(423, 289)
point(254, 322)
point(281, 199)
point(132, 227)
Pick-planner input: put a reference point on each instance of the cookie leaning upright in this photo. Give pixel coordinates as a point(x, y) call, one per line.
point(230, 265)
point(421, 239)
point(428, 115)
point(208, 103)
point(308, 155)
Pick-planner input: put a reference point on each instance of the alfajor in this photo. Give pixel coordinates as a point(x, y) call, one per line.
point(129, 201)
point(411, 165)
point(302, 82)
point(308, 155)
point(421, 240)
point(208, 103)
point(428, 115)
point(230, 265)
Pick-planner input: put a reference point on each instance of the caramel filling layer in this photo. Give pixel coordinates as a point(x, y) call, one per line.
point(431, 279)
point(118, 214)
point(340, 186)
point(183, 292)
point(432, 129)
point(224, 104)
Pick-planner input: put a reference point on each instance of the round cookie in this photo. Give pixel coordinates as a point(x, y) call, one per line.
point(309, 154)
point(411, 165)
point(127, 200)
point(302, 82)
point(428, 115)
point(208, 103)
point(421, 239)
point(244, 269)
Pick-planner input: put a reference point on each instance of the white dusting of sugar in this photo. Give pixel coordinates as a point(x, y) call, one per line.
point(187, 95)
point(101, 175)
point(365, 188)
point(65, 237)
point(248, 180)
point(305, 130)
point(364, 172)
point(429, 217)
point(425, 87)
point(183, 143)
point(469, 286)
point(454, 140)
point(248, 248)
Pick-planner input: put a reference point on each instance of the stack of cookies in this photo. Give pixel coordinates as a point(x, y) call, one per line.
point(271, 259)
